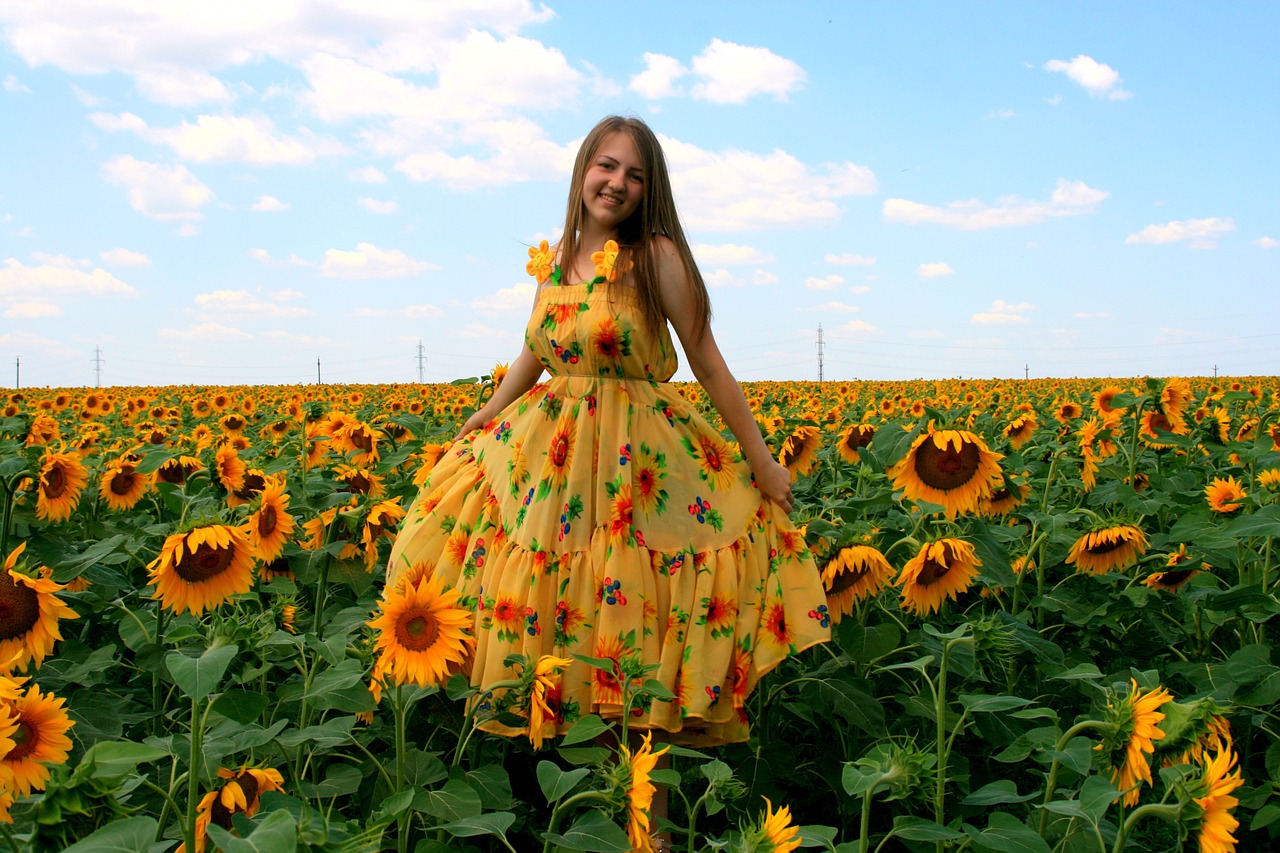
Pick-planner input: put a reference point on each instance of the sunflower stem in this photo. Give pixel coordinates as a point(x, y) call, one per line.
point(402, 823)
point(157, 719)
point(558, 811)
point(10, 496)
point(193, 774)
point(1165, 811)
point(1052, 781)
point(864, 824)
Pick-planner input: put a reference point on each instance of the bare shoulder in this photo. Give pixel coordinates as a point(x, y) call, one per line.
point(672, 276)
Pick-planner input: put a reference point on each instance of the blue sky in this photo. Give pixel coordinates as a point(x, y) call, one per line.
point(223, 193)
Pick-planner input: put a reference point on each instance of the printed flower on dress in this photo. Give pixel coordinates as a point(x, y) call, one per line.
point(714, 457)
point(541, 261)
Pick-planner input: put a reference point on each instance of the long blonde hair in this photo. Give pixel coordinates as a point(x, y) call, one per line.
point(655, 217)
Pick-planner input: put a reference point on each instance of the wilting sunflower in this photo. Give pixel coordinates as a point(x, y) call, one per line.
point(633, 776)
point(29, 614)
point(1216, 802)
point(1108, 549)
point(775, 832)
point(1003, 500)
point(178, 470)
point(852, 439)
point(1224, 496)
point(1173, 401)
point(1020, 429)
point(421, 632)
point(230, 469)
point(270, 525)
point(952, 468)
point(855, 573)
point(200, 569)
point(241, 794)
point(121, 486)
point(379, 524)
point(799, 450)
point(40, 739)
point(1134, 717)
point(544, 689)
point(62, 479)
point(1175, 575)
point(1153, 423)
point(941, 570)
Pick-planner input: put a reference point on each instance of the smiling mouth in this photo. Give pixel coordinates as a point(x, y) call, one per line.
point(611, 199)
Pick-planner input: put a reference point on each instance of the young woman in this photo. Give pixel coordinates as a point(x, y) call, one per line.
point(598, 513)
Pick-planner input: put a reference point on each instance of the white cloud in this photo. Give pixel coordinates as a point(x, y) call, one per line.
point(516, 298)
point(852, 328)
point(847, 259)
point(227, 139)
point(32, 310)
point(731, 73)
point(1069, 198)
point(763, 278)
point(268, 204)
point(283, 338)
point(13, 84)
point(835, 308)
point(243, 302)
point(159, 192)
point(721, 278)
point(203, 333)
point(859, 289)
point(176, 86)
point(1265, 243)
point(830, 282)
point(658, 80)
point(729, 254)
point(124, 258)
point(411, 312)
point(734, 190)
point(1099, 80)
point(367, 175)
point(1002, 313)
point(1091, 315)
point(368, 261)
point(373, 205)
point(59, 276)
point(1200, 233)
point(934, 270)
point(262, 256)
point(285, 295)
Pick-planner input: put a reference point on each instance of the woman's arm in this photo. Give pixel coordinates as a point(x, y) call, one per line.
point(773, 480)
point(521, 376)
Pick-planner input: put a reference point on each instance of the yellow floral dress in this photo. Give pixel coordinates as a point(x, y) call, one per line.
point(600, 514)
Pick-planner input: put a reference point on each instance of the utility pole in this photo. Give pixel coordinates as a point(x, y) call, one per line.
point(422, 363)
point(317, 370)
point(820, 348)
point(97, 367)
point(1215, 371)
point(1026, 371)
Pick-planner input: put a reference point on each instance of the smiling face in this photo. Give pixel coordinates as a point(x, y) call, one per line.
point(614, 183)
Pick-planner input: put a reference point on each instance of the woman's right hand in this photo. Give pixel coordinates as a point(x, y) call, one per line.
point(774, 482)
point(472, 424)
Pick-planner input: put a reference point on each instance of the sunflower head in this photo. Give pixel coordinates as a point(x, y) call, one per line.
point(422, 635)
point(199, 569)
point(951, 468)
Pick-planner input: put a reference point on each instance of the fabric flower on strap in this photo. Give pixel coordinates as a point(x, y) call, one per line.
point(541, 261)
point(606, 262)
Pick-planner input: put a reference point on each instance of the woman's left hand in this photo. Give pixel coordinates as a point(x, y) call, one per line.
point(774, 483)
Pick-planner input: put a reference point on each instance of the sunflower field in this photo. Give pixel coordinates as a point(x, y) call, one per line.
point(1053, 608)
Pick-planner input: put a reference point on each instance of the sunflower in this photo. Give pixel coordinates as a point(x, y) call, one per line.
point(1270, 478)
point(799, 451)
point(1153, 423)
point(941, 570)
point(855, 573)
point(1175, 575)
point(544, 689)
point(29, 614)
point(1173, 401)
point(1224, 495)
point(62, 479)
point(852, 439)
point(499, 373)
point(40, 739)
point(360, 481)
point(121, 486)
point(428, 457)
point(952, 468)
point(1003, 500)
point(200, 569)
point(1108, 549)
point(634, 770)
point(43, 430)
point(1102, 400)
point(1216, 802)
point(178, 470)
point(379, 524)
point(775, 832)
point(270, 525)
point(1020, 429)
point(241, 794)
point(230, 469)
point(1068, 411)
point(421, 632)
point(1134, 719)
